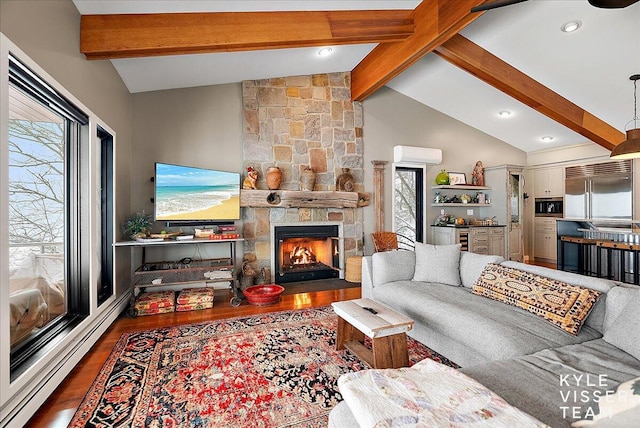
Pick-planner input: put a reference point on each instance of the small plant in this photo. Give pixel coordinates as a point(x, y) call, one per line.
point(137, 225)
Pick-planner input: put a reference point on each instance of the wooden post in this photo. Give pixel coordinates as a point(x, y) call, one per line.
point(378, 193)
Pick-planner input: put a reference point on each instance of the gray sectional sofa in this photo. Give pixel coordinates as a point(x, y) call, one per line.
point(531, 363)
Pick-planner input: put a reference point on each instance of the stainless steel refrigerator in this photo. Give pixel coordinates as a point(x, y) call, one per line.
point(599, 191)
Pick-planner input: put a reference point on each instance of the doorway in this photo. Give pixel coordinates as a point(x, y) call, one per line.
point(409, 203)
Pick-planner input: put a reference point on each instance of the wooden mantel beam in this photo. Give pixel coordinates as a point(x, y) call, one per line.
point(474, 59)
point(435, 20)
point(128, 36)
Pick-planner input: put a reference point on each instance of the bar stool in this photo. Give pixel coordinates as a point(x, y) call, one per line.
point(622, 249)
point(585, 247)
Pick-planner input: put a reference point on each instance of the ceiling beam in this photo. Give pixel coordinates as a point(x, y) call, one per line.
point(129, 36)
point(489, 68)
point(435, 21)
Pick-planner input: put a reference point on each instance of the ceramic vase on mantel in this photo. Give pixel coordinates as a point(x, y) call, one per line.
point(273, 176)
point(345, 182)
point(307, 179)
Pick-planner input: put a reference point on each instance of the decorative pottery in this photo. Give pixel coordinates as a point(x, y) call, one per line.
point(250, 180)
point(266, 294)
point(307, 179)
point(442, 178)
point(273, 177)
point(263, 277)
point(477, 176)
point(345, 181)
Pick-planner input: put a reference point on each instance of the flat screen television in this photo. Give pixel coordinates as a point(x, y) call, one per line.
point(190, 195)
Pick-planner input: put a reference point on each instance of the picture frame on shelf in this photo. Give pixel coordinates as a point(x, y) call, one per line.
point(457, 178)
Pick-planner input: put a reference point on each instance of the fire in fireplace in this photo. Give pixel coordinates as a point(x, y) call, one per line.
point(306, 252)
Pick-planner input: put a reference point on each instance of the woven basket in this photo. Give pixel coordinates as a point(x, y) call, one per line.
point(482, 222)
point(354, 269)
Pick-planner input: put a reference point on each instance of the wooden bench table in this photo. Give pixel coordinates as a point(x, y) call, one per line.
point(386, 329)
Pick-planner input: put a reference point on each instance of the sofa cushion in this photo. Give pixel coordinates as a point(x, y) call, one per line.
point(617, 299)
point(472, 265)
point(596, 317)
point(534, 383)
point(438, 263)
point(392, 266)
point(564, 305)
point(625, 330)
point(486, 329)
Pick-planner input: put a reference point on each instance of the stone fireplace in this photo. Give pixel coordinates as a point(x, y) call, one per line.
point(294, 123)
point(306, 251)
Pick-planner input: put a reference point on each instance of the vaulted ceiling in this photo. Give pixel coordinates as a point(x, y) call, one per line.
point(573, 87)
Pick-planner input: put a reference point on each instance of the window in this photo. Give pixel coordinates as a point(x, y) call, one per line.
point(408, 204)
point(105, 279)
point(48, 222)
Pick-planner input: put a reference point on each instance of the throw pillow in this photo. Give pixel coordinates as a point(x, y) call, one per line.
point(472, 265)
point(564, 305)
point(438, 263)
point(617, 299)
point(625, 330)
point(390, 266)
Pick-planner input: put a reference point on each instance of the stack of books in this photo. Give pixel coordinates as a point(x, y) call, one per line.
point(225, 232)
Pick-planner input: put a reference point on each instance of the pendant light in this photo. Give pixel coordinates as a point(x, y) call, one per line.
point(630, 148)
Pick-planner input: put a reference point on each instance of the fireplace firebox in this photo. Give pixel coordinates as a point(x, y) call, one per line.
point(303, 253)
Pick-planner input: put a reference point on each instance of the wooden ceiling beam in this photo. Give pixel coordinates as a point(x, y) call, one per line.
point(472, 58)
point(129, 36)
point(435, 22)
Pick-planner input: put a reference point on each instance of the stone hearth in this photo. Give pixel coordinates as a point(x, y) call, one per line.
point(292, 123)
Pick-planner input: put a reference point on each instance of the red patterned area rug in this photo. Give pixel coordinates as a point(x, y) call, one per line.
point(269, 370)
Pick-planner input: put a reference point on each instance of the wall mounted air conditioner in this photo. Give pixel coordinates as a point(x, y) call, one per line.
point(412, 154)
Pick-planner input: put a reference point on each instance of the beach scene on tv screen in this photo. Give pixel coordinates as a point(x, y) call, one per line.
point(188, 193)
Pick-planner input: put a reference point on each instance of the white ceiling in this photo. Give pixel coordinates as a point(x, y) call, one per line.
point(590, 67)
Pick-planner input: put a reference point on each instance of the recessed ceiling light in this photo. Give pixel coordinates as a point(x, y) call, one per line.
point(571, 26)
point(505, 113)
point(547, 139)
point(325, 51)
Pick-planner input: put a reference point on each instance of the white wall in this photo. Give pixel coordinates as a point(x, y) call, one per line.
point(199, 127)
point(391, 119)
point(48, 32)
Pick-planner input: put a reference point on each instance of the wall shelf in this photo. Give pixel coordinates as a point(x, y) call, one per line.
point(460, 187)
point(302, 199)
point(458, 204)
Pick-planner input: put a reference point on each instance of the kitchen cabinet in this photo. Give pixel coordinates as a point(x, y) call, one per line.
point(476, 239)
point(445, 235)
point(548, 182)
point(545, 240)
point(487, 240)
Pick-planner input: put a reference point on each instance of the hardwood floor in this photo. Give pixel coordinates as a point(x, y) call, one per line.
point(58, 410)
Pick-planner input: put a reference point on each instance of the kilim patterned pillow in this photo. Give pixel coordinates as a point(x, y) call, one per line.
point(564, 305)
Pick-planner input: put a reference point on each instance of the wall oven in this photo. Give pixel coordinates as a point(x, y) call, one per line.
point(549, 207)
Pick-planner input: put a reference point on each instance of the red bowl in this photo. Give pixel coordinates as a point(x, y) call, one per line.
point(265, 294)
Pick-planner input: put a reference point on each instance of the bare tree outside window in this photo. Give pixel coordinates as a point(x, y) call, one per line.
point(36, 157)
point(36, 182)
point(408, 200)
point(405, 203)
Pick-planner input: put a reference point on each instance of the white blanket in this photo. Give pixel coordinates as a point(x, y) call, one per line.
point(429, 394)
